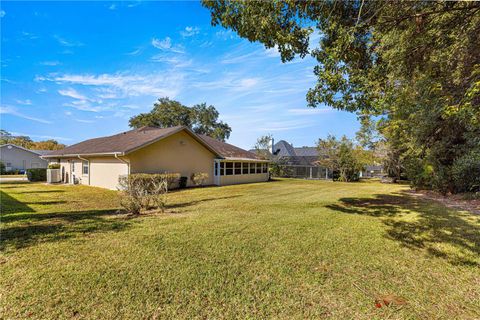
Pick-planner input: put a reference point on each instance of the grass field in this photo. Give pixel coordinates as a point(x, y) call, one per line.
point(290, 249)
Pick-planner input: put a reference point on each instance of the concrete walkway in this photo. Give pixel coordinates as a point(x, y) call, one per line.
point(10, 179)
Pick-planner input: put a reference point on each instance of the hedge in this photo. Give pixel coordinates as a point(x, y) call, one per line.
point(37, 174)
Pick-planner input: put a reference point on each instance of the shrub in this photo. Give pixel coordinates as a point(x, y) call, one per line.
point(54, 166)
point(466, 172)
point(182, 183)
point(199, 178)
point(2, 168)
point(37, 174)
point(143, 191)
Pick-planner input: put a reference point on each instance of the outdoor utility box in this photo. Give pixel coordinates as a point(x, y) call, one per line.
point(53, 176)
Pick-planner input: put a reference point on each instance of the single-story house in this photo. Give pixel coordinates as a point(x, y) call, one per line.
point(18, 158)
point(101, 161)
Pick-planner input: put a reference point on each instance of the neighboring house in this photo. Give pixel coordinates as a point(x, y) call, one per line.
point(101, 161)
point(299, 162)
point(373, 171)
point(18, 158)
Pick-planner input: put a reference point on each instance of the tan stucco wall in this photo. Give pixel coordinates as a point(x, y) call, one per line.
point(178, 153)
point(20, 159)
point(104, 171)
point(243, 178)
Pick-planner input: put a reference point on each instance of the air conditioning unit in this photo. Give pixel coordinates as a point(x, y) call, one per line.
point(54, 176)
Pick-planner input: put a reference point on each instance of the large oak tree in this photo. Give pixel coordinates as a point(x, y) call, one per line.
point(412, 66)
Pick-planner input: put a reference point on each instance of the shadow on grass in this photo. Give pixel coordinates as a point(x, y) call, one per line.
point(12, 205)
point(195, 202)
point(42, 191)
point(57, 226)
point(442, 232)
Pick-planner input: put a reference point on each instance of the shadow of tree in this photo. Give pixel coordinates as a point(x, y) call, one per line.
point(57, 226)
point(177, 205)
point(12, 205)
point(42, 191)
point(422, 224)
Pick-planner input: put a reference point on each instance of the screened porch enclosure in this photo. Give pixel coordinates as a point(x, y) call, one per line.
point(304, 172)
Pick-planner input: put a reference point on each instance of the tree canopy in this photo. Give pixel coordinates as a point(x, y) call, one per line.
point(202, 119)
point(412, 67)
point(28, 143)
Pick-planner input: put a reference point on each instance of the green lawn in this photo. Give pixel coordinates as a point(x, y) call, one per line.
point(284, 249)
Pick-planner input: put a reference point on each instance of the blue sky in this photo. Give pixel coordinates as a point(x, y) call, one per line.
point(73, 71)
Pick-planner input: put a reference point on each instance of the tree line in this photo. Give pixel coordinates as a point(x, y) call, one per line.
point(27, 143)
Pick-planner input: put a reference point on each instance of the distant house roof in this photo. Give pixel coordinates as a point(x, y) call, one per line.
point(38, 152)
point(129, 141)
point(287, 154)
point(306, 152)
point(42, 152)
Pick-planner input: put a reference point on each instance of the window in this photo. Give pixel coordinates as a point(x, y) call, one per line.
point(73, 166)
point(265, 168)
point(238, 167)
point(215, 170)
point(228, 168)
point(245, 168)
point(84, 167)
point(259, 168)
point(222, 168)
point(252, 168)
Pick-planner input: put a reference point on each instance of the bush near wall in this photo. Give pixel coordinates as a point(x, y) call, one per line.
point(37, 174)
point(54, 166)
point(142, 191)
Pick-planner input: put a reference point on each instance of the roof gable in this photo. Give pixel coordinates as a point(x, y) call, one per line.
point(37, 152)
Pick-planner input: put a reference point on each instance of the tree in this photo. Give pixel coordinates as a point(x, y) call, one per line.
point(47, 145)
point(22, 141)
point(413, 66)
point(342, 158)
point(202, 119)
point(28, 143)
point(263, 147)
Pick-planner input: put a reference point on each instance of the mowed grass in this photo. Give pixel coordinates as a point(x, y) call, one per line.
point(288, 249)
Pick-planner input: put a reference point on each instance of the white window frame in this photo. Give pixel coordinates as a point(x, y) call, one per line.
point(85, 165)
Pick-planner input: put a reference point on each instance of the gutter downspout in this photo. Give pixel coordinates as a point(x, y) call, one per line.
point(124, 161)
point(88, 161)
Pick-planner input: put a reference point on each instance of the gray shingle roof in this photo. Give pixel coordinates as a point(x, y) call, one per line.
point(129, 141)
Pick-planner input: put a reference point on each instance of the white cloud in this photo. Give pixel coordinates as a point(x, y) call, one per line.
point(162, 44)
point(190, 31)
point(68, 113)
point(285, 125)
point(113, 6)
point(166, 45)
point(26, 102)
point(72, 93)
point(135, 52)
point(309, 111)
point(29, 35)
point(2, 13)
point(272, 52)
point(67, 43)
point(85, 121)
point(229, 82)
point(50, 63)
point(124, 85)
point(172, 60)
point(225, 34)
point(4, 109)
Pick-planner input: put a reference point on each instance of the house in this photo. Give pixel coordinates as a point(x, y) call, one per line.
point(99, 162)
point(299, 162)
point(16, 158)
